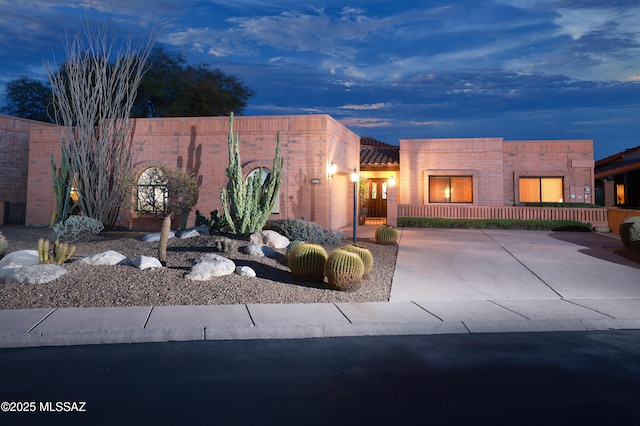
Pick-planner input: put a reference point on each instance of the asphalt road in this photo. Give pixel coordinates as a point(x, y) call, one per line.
point(472, 379)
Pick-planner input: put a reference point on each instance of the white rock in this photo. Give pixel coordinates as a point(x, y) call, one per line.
point(16, 260)
point(156, 237)
point(210, 265)
point(146, 262)
point(259, 250)
point(245, 271)
point(20, 257)
point(269, 238)
point(189, 233)
point(109, 257)
point(36, 274)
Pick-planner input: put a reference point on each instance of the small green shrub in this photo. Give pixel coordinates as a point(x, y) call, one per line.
point(300, 229)
point(215, 221)
point(630, 232)
point(4, 245)
point(77, 228)
point(531, 225)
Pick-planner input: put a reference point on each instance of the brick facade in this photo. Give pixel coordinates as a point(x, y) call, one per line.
point(495, 166)
point(14, 159)
point(308, 145)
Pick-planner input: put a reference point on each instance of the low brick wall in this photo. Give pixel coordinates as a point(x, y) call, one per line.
point(616, 216)
point(594, 216)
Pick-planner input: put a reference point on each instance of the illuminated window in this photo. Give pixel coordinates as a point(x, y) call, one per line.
point(619, 193)
point(541, 189)
point(151, 191)
point(265, 174)
point(450, 189)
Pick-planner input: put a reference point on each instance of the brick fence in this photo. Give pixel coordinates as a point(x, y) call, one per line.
point(594, 216)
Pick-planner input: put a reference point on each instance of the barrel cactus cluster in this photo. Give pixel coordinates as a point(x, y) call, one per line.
point(386, 234)
point(344, 268)
point(306, 262)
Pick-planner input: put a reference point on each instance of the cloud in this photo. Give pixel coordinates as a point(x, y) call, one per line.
point(362, 122)
point(365, 107)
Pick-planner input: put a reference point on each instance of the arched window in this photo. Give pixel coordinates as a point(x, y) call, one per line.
point(151, 191)
point(265, 174)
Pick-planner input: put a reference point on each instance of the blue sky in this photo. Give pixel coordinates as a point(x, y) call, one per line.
point(518, 69)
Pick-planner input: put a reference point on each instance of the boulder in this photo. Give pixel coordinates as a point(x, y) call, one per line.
point(269, 238)
point(146, 262)
point(156, 237)
point(36, 274)
point(16, 260)
point(189, 233)
point(210, 265)
point(109, 257)
point(245, 271)
point(259, 250)
point(602, 229)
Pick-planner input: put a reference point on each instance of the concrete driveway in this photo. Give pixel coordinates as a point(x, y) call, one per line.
point(469, 264)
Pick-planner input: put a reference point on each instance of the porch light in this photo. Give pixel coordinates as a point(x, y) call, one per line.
point(355, 177)
point(331, 170)
point(392, 181)
point(447, 192)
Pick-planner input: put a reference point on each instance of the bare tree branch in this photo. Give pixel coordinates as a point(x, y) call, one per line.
point(93, 92)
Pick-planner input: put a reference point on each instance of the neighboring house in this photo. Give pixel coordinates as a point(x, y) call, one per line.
point(617, 179)
point(467, 177)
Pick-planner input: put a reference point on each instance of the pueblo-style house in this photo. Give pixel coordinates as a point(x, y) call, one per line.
point(457, 177)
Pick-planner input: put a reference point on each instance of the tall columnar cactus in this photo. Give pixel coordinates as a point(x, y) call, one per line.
point(4, 245)
point(344, 270)
point(386, 234)
point(248, 203)
point(365, 256)
point(306, 262)
point(164, 238)
point(62, 185)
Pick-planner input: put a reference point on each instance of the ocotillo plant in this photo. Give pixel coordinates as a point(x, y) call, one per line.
point(248, 203)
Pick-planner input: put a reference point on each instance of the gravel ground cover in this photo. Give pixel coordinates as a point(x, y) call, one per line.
point(97, 286)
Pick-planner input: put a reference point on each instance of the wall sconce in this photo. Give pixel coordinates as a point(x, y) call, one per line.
point(331, 170)
point(392, 181)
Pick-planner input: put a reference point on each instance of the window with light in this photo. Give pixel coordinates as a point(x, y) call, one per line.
point(450, 189)
point(151, 191)
point(541, 190)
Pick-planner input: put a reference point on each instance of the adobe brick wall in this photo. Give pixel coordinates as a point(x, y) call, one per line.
point(571, 159)
point(477, 157)
point(495, 165)
point(14, 159)
point(308, 144)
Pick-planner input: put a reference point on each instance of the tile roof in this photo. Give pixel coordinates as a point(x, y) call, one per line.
point(376, 153)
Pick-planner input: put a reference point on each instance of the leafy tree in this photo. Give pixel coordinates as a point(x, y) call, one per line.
point(29, 98)
point(172, 88)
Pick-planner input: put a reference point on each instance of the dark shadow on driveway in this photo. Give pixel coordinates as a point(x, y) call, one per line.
point(596, 245)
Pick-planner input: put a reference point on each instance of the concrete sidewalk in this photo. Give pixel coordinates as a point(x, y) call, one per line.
point(446, 281)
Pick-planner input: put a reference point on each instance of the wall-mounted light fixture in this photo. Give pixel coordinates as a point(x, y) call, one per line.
point(331, 170)
point(392, 181)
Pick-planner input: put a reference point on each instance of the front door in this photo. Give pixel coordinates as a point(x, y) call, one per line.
point(377, 198)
